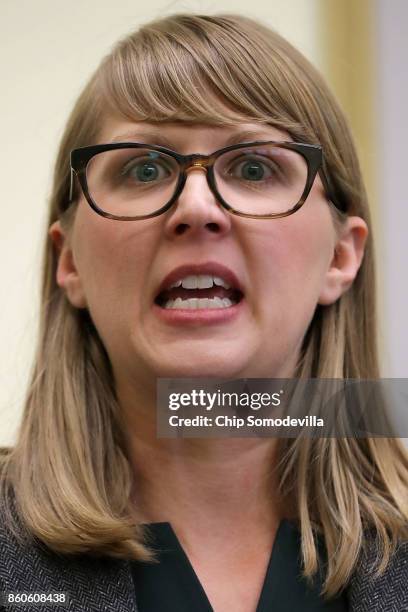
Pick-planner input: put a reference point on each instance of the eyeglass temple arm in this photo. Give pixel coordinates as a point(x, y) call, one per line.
point(331, 192)
point(71, 187)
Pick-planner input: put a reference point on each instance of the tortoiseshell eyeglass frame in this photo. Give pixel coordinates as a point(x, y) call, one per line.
point(311, 153)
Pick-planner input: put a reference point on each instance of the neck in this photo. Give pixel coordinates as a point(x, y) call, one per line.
point(223, 483)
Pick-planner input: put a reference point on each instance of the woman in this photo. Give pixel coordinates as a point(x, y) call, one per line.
point(284, 236)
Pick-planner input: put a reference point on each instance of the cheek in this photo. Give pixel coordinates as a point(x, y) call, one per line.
point(113, 259)
point(296, 256)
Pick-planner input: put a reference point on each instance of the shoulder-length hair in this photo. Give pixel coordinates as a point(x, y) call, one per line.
point(69, 473)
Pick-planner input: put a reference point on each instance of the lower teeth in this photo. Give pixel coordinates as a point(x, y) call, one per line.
point(196, 303)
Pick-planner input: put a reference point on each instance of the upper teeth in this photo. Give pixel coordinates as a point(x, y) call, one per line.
point(200, 281)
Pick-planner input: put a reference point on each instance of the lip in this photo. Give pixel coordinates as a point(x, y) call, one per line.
point(199, 316)
point(209, 267)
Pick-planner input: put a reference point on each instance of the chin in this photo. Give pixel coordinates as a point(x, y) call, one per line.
point(200, 368)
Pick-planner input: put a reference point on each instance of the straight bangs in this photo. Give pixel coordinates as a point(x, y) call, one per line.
point(175, 70)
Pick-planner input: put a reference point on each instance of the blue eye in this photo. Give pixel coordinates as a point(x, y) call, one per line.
point(147, 172)
point(252, 170)
point(143, 169)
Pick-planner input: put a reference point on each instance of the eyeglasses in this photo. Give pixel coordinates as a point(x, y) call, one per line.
point(261, 179)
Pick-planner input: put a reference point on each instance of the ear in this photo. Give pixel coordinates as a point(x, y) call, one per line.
point(67, 274)
point(347, 258)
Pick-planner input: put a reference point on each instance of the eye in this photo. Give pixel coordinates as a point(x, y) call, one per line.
point(253, 169)
point(146, 170)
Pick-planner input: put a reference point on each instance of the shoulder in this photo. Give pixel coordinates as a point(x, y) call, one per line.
point(25, 563)
point(388, 592)
point(91, 584)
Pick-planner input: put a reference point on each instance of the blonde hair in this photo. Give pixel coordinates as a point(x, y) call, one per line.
point(69, 475)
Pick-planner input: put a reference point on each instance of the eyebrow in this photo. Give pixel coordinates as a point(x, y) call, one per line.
point(157, 138)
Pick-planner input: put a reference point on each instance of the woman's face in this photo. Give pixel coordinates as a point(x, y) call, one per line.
point(284, 266)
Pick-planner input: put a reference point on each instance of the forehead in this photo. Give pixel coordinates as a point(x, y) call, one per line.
point(182, 135)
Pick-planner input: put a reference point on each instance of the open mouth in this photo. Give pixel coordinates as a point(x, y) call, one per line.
point(209, 297)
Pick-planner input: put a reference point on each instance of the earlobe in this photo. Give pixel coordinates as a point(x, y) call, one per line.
point(346, 261)
point(67, 275)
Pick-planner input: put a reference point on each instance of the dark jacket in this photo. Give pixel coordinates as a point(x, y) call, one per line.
point(105, 584)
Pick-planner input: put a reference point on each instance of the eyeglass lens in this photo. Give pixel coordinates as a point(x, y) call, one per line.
point(257, 180)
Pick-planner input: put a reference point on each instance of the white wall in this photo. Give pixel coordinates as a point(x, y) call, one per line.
point(391, 106)
point(48, 50)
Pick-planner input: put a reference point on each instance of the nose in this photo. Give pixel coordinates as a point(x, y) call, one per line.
point(197, 209)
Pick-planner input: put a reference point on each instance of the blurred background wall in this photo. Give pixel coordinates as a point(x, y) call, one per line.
point(49, 49)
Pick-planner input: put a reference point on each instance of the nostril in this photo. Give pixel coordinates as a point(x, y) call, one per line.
point(214, 227)
point(181, 228)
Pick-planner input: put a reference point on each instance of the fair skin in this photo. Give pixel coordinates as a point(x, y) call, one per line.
point(287, 267)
